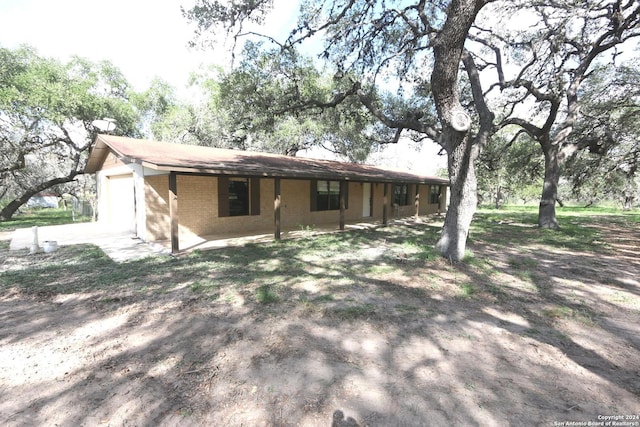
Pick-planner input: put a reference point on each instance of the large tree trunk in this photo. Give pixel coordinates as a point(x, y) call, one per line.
point(630, 189)
point(547, 209)
point(463, 200)
point(9, 210)
point(628, 197)
point(448, 50)
point(498, 202)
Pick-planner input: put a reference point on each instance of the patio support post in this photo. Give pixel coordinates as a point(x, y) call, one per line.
point(343, 191)
point(173, 212)
point(384, 206)
point(276, 208)
point(417, 203)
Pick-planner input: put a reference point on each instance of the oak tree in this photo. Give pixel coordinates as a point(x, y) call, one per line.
point(418, 46)
point(257, 107)
point(606, 166)
point(540, 65)
point(46, 114)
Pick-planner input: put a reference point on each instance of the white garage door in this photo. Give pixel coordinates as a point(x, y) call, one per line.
point(122, 208)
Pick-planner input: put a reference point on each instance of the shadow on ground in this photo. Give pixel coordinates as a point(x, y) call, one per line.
point(362, 328)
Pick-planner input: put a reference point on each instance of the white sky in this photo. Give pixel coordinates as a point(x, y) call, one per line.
point(146, 39)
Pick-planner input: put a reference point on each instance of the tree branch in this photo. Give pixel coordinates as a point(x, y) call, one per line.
point(411, 123)
point(485, 113)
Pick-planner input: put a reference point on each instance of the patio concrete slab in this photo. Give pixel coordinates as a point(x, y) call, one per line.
point(223, 240)
point(120, 246)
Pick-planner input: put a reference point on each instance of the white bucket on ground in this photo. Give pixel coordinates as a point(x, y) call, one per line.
point(49, 246)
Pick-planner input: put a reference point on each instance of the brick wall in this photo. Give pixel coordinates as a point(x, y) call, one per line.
point(435, 207)
point(197, 203)
point(198, 207)
point(250, 223)
point(156, 197)
point(296, 205)
point(378, 196)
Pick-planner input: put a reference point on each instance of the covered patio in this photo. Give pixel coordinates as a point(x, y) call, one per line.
point(234, 239)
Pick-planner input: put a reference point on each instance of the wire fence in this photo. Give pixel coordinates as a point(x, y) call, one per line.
point(81, 208)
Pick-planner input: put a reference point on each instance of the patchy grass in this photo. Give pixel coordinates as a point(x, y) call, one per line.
point(523, 262)
point(334, 260)
point(352, 312)
point(324, 298)
point(40, 217)
point(266, 295)
point(578, 226)
point(373, 318)
point(468, 290)
point(562, 312)
point(559, 312)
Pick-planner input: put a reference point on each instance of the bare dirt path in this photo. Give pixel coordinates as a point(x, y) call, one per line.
point(370, 336)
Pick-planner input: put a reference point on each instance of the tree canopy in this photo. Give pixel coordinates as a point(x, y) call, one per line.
point(257, 106)
point(606, 167)
point(541, 68)
point(46, 114)
point(527, 77)
point(509, 170)
point(417, 47)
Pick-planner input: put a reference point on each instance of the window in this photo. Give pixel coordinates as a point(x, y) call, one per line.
point(325, 195)
point(434, 194)
point(401, 194)
point(238, 196)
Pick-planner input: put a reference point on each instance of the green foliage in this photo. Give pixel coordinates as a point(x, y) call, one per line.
point(509, 171)
point(363, 77)
point(269, 103)
point(204, 120)
point(46, 111)
point(155, 105)
point(468, 290)
point(567, 109)
point(41, 218)
point(402, 59)
point(279, 102)
point(51, 95)
point(266, 295)
point(606, 169)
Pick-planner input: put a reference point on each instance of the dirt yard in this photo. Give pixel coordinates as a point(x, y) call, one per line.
point(353, 329)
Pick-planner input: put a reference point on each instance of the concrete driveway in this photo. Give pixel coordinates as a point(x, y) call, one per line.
point(120, 246)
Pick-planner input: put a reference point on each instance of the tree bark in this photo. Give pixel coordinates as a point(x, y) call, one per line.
point(628, 197)
point(448, 48)
point(463, 200)
point(630, 190)
point(627, 203)
point(547, 209)
point(9, 210)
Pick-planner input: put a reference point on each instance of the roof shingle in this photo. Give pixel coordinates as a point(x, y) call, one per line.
point(165, 156)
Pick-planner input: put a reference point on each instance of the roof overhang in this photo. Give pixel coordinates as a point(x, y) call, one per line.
point(180, 158)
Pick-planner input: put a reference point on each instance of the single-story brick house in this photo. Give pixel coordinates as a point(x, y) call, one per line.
point(165, 191)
